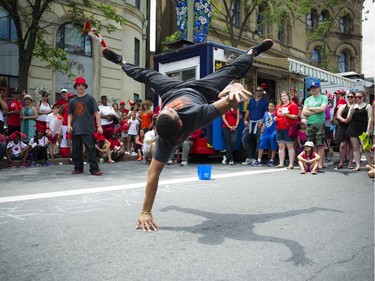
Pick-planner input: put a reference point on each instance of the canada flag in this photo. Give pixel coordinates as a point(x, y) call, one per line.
point(91, 31)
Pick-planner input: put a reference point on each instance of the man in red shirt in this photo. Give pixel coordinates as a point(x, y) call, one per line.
point(14, 110)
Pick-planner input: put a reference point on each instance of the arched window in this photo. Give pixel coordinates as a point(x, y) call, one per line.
point(324, 15)
point(344, 23)
point(284, 30)
point(311, 20)
point(7, 28)
point(316, 55)
point(343, 62)
point(73, 41)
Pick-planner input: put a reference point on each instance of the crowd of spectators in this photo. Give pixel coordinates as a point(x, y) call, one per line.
point(289, 132)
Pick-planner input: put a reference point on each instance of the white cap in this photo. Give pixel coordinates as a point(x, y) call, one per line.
point(64, 90)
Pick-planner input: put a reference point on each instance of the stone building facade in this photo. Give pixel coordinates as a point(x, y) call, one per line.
point(103, 77)
point(344, 42)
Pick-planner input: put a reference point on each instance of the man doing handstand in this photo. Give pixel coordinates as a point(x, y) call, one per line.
point(186, 107)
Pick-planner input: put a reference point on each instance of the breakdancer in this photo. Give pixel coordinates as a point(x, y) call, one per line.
point(187, 106)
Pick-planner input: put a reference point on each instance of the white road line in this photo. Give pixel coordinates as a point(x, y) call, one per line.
point(124, 187)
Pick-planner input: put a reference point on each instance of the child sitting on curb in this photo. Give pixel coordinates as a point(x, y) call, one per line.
point(308, 159)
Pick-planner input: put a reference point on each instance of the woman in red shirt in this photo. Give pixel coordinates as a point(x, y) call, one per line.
point(286, 115)
point(146, 116)
point(229, 128)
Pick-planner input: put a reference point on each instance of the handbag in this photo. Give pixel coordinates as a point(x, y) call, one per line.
point(367, 142)
point(292, 131)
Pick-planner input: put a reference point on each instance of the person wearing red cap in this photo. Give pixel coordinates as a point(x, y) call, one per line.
point(187, 106)
point(17, 150)
point(124, 111)
point(39, 146)
point(13, 113)
point(63, 103)
point(82, 110)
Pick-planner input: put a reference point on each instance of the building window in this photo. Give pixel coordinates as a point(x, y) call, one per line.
point(183, 75)
point(283, 31)
point(73, 41)
point(138, 4)
point(260, 20)
point(137, 51)
point(7, 28)
point(343, 62)
point(311, 20)
point(344, 23)
point(135, 97)
point(8, 84)
point(324, 15)
point(235, 12)
point(316, 55)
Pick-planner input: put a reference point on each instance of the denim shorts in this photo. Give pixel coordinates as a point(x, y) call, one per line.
point(283, 136)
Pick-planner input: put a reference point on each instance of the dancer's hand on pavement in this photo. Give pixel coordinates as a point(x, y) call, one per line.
point(236, 92)
point(146, 223)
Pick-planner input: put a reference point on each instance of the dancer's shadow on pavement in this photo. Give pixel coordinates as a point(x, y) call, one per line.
point(217, 227)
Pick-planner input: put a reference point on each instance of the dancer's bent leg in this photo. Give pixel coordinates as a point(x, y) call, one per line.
point(159, 82)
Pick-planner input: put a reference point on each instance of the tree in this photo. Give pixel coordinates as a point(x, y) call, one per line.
point(32, 19)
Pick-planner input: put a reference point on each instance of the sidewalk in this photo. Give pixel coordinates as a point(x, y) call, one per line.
point(58, 161)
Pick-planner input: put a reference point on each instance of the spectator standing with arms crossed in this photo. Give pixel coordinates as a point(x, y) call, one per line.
point(186, 107)
point(82, 109)
point(314, 110)
point(251, 135)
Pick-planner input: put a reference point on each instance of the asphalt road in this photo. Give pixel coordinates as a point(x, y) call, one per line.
point(245, 223)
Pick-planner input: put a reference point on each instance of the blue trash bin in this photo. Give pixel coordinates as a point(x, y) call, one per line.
point(204, 172)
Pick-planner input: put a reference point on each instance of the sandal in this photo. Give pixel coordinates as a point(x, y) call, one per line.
point(279, 166)
point(313, 172)
point(290, 167)
point(111, 162)
point(303, 172)
point(339, 167)
point(357, 169)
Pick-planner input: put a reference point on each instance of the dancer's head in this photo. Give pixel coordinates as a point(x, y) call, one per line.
point(168, 124)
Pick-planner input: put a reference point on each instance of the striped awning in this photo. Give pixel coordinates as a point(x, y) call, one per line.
point(306, 70)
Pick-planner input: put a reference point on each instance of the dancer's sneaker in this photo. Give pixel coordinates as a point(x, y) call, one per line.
point(112, 56)
point(262, 47)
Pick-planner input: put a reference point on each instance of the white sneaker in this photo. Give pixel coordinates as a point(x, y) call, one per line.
point(248, 161)
point(170, 162)
point(231, 163)
point(224, 162)
point(184, 163)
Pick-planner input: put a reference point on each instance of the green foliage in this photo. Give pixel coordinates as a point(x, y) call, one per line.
point(174, 37)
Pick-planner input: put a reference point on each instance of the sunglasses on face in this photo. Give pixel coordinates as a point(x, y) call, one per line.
point(258, 90)
point(350, 97)
point(358, 97)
